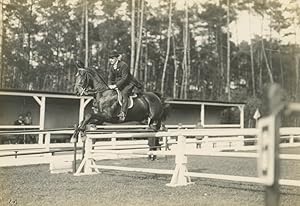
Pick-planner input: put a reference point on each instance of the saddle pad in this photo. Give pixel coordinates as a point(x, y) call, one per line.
point(130, 100)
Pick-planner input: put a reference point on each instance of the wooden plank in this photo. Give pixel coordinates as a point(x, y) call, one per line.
point(132, 169)
point(227, 177)
point(294, 183)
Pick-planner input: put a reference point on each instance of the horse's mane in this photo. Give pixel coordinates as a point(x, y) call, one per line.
point(94, 73)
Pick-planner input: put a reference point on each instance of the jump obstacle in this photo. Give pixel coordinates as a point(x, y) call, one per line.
point(268, 133)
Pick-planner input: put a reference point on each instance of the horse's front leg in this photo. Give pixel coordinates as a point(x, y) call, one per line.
point(87, 119)
point(81, 127)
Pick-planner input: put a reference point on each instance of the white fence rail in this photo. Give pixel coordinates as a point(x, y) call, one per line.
point(181, 176)
point(213, 137)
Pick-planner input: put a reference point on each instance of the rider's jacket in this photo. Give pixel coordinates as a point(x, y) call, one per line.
point(121, 77)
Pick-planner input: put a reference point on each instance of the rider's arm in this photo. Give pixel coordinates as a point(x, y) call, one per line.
point(111, 77)
point(125, 72)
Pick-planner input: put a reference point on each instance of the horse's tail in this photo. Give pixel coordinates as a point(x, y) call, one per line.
point(166, 106)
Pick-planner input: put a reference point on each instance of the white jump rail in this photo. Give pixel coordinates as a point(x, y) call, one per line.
point(44, 145)
point(181, 176)
point(13, 154)
point(45, 136)
point(213, 136)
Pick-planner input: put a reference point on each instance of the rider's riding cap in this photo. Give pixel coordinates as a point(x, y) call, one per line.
point(113, 54)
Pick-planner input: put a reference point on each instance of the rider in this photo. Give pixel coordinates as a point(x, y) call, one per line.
point(121, 78)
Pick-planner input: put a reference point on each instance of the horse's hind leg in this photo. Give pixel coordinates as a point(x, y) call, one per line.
point(153, 126)
point(158, 125)
point(150, 121)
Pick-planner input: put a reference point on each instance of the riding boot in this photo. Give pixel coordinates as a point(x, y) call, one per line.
point(124, 107)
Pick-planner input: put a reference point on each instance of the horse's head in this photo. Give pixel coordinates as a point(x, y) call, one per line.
point(87, 80)
point(82, 82)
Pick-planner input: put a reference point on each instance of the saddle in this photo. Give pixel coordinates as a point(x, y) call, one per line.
point(130, 99)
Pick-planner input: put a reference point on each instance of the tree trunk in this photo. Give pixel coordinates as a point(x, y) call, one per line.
point(80, 52)
point(221, 60)
point(146, 66)
point(135, 74)
point(264, 53)
point(168, 49)
point(251, 55)
point(184, 61)
point(228, 54)
point(86, 64)
point(183, 79)
point(297, 76)
point(175, 85)
point(132, 37)
point(188, 66)
point(2, 79)
point(281, 69)
point(297, 56)
point(260, 57)
point(266, 60)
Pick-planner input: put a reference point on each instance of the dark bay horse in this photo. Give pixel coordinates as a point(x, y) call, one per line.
point(147, 106)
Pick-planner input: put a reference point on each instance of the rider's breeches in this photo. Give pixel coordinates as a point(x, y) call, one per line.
point(125, 93)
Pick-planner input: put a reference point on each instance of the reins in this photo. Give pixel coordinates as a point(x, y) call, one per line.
point(87, 76)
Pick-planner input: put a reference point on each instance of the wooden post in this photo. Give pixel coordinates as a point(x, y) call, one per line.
point(2, 79)
point(83, 103)
point(242, 116)
point(42, 103)
point(81, 110)
point(88, 156)
point(272, 191)
point(180, 177)
point(269, 139)
point(291, 139)
point(202, 114)
point(75, 157)
point(47, 141)
point(114, 141)
point(88, 161)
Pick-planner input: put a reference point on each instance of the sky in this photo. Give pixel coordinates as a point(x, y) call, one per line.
point(240, 28)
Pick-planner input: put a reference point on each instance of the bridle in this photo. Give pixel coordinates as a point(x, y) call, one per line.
point(84, 86)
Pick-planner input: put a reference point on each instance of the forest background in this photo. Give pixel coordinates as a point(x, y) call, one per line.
point(183, 49)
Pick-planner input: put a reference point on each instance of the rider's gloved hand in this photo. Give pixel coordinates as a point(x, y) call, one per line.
point(112, 86)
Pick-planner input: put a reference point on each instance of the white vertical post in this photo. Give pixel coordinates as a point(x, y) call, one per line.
point(165, 142)
point(113, 141)
point(88, 156)
point(202, 114)
point(82, 106)
point(42, 103)
point(47, 141)
point(291, 139)
point(242, 116)
point(81, 110)
point(180, 177)
point(42, 117)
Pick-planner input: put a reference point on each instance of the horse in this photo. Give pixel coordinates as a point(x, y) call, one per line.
point(147, 106)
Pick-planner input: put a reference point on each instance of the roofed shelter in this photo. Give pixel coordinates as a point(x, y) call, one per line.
point(211, 114)
point(49, 109)
point(52, 110)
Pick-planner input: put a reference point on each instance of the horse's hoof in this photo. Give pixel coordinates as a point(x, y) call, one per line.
point(83, 138)
point(73, 140)
point(152, 127)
